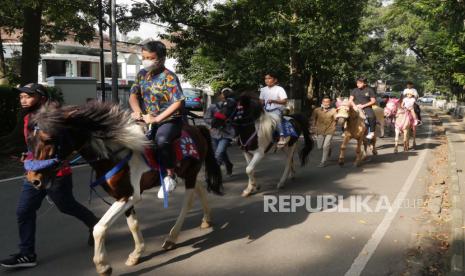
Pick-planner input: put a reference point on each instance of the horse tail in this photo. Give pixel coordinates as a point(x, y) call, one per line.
point(212, 168)
point(308, 141)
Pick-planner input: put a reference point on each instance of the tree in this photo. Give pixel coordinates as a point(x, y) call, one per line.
point(236, 42)
point(434, 31)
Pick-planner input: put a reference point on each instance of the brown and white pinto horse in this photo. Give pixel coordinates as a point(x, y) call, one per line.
point(355, 128)
point(104, 134)
point(255, 128)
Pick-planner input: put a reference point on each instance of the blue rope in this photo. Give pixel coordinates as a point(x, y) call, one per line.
point(116, 169)
point(162, 183)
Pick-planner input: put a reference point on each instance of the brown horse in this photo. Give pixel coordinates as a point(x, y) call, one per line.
point(107, 138)
point(355, 128)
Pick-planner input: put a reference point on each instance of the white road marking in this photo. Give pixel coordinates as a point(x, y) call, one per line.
point(370, 247)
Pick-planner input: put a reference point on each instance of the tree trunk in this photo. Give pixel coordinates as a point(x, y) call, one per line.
point(3, 79)
point(114, 54)
point(297, 87)
point(31, 44)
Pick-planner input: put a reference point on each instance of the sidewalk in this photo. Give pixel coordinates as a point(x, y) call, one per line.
point(455, 133)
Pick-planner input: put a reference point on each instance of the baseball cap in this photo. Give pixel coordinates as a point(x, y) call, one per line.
point(33, 88)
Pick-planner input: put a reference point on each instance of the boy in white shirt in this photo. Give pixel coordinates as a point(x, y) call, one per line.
point(274, 98)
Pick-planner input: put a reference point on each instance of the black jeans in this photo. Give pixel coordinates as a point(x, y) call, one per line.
point(61, 193)
point(165, 135)
point(371, 118)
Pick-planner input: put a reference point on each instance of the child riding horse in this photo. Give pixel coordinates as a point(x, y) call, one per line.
point(255, 129)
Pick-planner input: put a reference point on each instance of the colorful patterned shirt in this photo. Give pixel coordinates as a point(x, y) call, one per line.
point(158, 92)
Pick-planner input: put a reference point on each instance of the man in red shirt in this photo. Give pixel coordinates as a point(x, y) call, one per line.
point(32, 97)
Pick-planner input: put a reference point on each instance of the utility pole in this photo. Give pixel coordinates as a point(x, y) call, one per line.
point(102, 59)
point(114, 55)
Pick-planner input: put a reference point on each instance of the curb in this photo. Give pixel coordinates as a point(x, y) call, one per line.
point(457, 244)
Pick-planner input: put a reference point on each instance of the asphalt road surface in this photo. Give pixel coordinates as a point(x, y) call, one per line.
point(245, 240)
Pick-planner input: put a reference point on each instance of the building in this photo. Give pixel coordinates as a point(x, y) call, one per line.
point(69, 58)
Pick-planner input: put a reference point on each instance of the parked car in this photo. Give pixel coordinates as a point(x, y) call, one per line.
point(426, 99)
point(194, 98)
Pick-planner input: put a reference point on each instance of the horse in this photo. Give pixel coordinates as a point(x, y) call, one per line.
point(390, 112)
point(379, 114)
point(114, 145)
point(255, 129)
point(355, 129)
point(405, 123)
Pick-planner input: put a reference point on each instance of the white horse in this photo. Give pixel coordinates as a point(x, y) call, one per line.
point(255, 129)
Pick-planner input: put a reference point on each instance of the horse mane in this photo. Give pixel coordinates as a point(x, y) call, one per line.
point(266, 122)
point(107, 126)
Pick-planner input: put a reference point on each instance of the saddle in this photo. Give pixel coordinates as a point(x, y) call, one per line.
point(288, 128)
point(184, 147)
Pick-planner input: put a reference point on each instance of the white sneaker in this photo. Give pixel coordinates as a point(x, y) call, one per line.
point(370, 135)
point(170, 185)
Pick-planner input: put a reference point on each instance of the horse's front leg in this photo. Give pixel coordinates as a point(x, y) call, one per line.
point(358, 152)
point(406, 139)
point(373, 146)
point(396, 141)
point(250, 170)
point(343, 149)
point(290, 156)
point(139, 246)
point(170, 242)
point(414, 133)
point(206, 220)
point(100, 229)
point(381, 125)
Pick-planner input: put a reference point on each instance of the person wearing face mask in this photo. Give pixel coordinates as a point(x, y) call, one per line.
point(221, 128)
point(32, 96)
point(156, 98)
point(323, 125)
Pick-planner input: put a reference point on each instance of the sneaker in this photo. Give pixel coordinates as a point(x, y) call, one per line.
point(20, 260)
point(229, 168)
point(370, 135)
point(170, 185)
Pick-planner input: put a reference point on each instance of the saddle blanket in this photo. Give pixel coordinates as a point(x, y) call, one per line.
point(184, 148)
point(288, 127)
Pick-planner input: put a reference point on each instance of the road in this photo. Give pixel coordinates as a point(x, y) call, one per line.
point(245, 240)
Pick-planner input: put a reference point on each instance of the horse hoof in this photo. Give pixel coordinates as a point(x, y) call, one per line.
point(168, 245)
point(280, 186)
point(341, 164)
point(375, 152)
point(107, 272)
point(132, 261)
point(205, 225)
point(245, 193)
